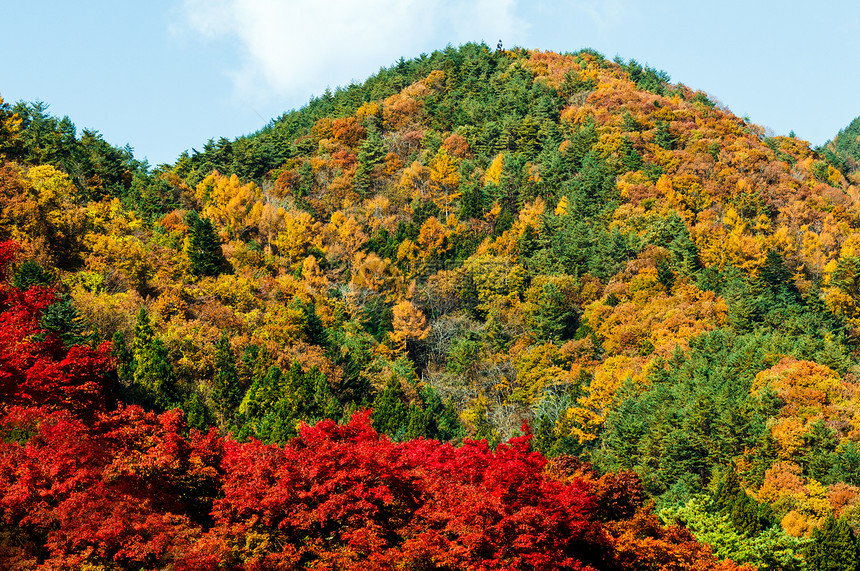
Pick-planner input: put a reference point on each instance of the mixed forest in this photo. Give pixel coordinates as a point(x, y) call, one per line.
point(488, 309)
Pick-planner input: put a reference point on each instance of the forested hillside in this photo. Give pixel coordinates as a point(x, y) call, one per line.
point(559, 312)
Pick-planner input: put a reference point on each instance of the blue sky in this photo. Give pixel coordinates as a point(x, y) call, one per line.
point(166, 75)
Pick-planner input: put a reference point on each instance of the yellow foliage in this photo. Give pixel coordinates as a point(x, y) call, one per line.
point(126, 254)
point(719, 247)
point(788, 433)
point(51, 190)
point(586, 418)
point(409, 323)
point(651, 320)
point(444, 171)
point(322, 129)
point(407, 250)
point(237, 292)
point(538, 368)
point(812, 252)
point(227, 202)
point(299, 231)
point(373, 273)
point(367, 110)
point(107, 313)
point(796, 524)
point(278, 324)
point(494, 277)
point(815, 504)
point(46, 212)
point(494, 171)
point(850, 246)
point(270, 220)
point(432, 238)
point(416, 180)
point(783, 483)
point(10, 126)
point(316, 281)
point(109, 217)
point(529, 217)
point(684, 192)
point(841, 303)
point(834, 177)
point(344, 236)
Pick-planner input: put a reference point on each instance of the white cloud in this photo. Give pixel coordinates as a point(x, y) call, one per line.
point(293, 48)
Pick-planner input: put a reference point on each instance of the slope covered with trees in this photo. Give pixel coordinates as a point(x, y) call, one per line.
point(466, 242)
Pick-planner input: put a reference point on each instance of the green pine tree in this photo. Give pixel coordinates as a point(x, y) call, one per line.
point(204, 247)
point(225, 390)
point(153, 376)
point(663, 137)
point(728, 491)
point(390, 415)
point(196, 413)
point(418, 423)
point(371, 153)
point(833, 547)
point(29, 274)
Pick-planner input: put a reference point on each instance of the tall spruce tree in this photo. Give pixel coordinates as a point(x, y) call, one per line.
point(225, 391)
point(152, 376)
point(833, 547)
point(371, 153)
point(204, 247)
point(390, 414)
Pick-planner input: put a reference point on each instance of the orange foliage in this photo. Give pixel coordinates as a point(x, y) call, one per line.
point(807, 388)
point(456, 146)
point(348, 131)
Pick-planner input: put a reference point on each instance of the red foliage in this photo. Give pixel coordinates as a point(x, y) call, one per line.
point(131, 489)
point(344, 497)
point(128, 489)
point(35, 367)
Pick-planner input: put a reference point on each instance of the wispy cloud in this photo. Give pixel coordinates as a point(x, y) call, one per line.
point(292, 48)
point(604, 14)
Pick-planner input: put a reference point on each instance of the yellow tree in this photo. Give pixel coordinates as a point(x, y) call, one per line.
point(228, 202)
point(409, 324)
point(538, 368)
point(445, 178)
point(344, 236)
point(270, 221)
point(298, 232)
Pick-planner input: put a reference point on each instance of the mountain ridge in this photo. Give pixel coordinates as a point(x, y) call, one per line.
point(474, 239)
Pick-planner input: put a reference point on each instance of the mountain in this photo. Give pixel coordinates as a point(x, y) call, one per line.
point(502, 251)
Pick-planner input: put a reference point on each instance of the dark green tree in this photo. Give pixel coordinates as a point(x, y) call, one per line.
point(554, 318)
point(204, 247)
point(833, 547)
point(418, 422)
point(371, 153)
point(472, 200)
point(226, 393)
point(306, 180)
point(390, 414)
point(631, 160)
point(196, 414)
point(663, 137)
point(153, 378)
point(819, 446)
point(29, 273)
point(62, 319)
